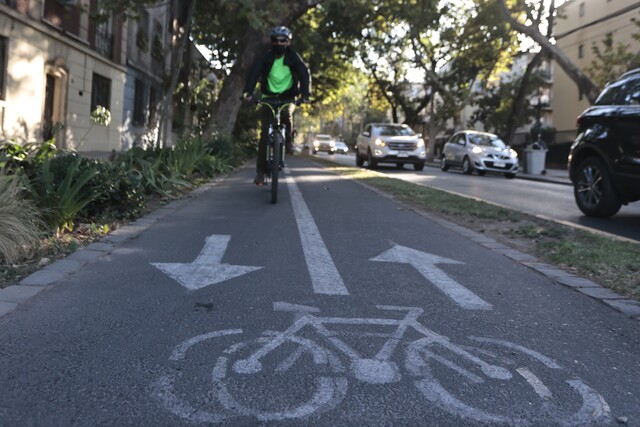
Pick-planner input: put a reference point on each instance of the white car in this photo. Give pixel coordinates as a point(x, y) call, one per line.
point(390, 143)
point(480, 151)
point(324, 143)
point(341, 147)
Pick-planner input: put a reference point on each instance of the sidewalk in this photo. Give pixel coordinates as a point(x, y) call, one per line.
point(558, 176)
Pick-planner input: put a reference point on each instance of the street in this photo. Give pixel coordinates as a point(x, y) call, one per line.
point(337, 306)
point(545, 199)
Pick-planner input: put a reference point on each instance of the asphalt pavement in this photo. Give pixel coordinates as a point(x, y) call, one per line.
point(337, 306)
point(12, 296)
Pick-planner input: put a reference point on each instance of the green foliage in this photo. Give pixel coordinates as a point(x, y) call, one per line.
point(62, 188)
point(20, 223)
point(15, 158)
point(202, 99)
point(121, 195)
point(611, 60)
point(152, 170)
point(495, 105)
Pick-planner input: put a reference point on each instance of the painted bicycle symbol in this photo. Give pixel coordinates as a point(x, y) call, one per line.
point(252, 378)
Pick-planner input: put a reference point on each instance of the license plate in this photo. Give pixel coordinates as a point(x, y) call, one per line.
point(498, 164)
point(403, 155)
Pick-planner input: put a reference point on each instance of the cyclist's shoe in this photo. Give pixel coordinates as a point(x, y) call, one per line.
point(259, 179)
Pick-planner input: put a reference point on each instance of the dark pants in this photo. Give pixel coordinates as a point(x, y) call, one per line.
point(286, 118)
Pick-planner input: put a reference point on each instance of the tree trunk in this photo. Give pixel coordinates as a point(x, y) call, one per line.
point(182, 12)
point(517, 108)
point(583, 82)
point(227, 106)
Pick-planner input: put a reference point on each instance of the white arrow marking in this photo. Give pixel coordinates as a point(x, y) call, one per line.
point(206, 269)
point(425, 264)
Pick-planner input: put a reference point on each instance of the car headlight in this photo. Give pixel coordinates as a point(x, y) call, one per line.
point(513, 153)
point(332, 143)
point(476, 150)
point(316, 143)
point(379, 142)
point(420, 142)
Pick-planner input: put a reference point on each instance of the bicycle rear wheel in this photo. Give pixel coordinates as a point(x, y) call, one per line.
point(275, 166)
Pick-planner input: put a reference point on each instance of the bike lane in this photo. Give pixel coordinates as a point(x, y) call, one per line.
point(124, 341)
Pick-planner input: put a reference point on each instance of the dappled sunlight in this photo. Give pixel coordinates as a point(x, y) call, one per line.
point(316, 177)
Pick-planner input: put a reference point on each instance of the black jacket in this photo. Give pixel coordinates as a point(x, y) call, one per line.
point(262, 66)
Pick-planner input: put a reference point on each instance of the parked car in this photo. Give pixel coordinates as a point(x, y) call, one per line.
point(325, 143)
point(477, 151)
point(604, 160)
point(390, 143)
point(342, 147)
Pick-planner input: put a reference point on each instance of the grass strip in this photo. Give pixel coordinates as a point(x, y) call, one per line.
point(610, 262)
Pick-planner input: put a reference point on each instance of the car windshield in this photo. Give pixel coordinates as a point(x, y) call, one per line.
point(323, 137)
point(486, 140)
point(394, 131)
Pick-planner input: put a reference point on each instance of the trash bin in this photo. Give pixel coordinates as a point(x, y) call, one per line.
point(535, 157)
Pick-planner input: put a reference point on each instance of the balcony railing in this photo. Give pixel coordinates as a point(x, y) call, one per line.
point(104, 43)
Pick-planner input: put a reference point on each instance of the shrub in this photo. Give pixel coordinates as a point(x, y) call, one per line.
point(20, 223)
point(62, 188)
point(120, 194)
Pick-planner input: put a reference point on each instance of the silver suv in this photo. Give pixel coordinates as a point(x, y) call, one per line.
point(390, 143)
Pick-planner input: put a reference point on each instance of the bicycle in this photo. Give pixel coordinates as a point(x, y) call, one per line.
point(275, 141)
point(437, 364)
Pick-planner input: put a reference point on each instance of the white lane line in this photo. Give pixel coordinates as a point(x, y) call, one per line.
point(324, 274)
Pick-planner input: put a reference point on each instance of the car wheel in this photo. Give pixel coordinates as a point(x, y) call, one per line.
point(444, 166)
point(593, 189)
point(418, 166)
point(359, 160)
point(510, 175)
point(467, 169)
point(314, 152)
point(371, 162)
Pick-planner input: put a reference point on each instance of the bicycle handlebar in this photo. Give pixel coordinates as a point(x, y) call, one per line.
point(275, 102)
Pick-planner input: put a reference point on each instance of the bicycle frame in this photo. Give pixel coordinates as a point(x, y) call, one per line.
point(375, 370)
point(275, 141)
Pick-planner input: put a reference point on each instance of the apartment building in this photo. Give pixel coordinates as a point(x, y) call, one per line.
point(581, 24)
point(57, 63)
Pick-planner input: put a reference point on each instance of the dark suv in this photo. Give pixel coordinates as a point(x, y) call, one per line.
point(604, 161)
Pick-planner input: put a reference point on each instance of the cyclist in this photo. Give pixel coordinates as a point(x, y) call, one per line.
point(283, 75)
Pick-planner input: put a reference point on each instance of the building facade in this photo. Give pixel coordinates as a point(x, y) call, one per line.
point(58, 63)
point(581, 24)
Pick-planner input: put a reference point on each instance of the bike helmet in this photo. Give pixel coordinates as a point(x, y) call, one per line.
point(281, 32)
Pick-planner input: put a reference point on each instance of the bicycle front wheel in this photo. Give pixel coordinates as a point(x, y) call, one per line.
point(293, 381)
point(278, 143)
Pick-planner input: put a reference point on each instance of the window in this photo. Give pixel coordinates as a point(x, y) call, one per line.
point(632, 92)
point(3, 65)
point(100, 92)
point(581, 51)
point(581, 10)
point(138, 103)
